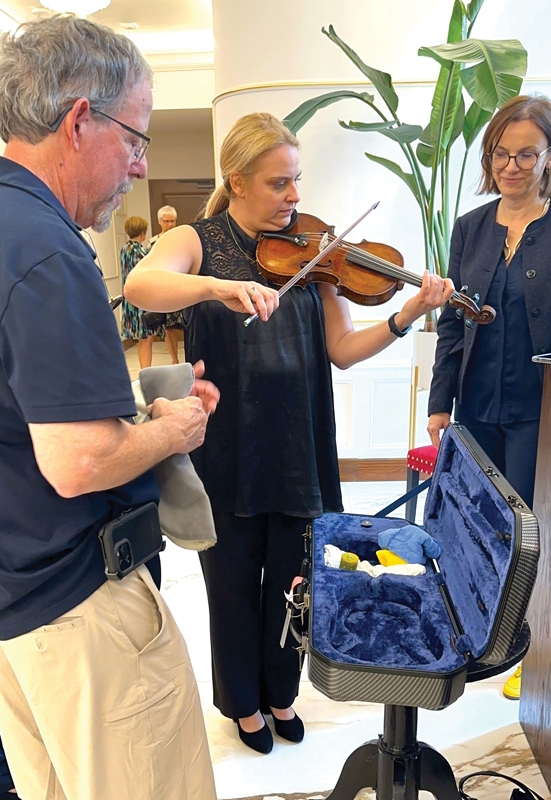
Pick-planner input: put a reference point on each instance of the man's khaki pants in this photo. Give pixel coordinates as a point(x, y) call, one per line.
point(102, 703)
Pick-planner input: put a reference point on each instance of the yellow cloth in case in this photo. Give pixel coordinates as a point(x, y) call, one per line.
point(388, 559)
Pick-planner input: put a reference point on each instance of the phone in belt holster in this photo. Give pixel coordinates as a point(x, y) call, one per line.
point(130, 540)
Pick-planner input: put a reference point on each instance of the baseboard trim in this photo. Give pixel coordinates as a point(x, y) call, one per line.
point(372, 469)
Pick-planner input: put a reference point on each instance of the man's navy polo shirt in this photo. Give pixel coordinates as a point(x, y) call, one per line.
point(61, 360)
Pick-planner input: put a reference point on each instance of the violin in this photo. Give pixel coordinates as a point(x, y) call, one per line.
point(368, 273)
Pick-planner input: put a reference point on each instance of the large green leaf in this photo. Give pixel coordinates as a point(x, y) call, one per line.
point(498, 67)
point(425, 151)
point(507, 55)
point(473, 8)
point(382, 81)
point(446, 120)
point(367, 126)
point(457, 129)
point(407, 177)
point(428, 139)
point(475, 119)
point(305, 111)
point(404, 134)
point(457, 29)
point(446, 101)
point(488, 89)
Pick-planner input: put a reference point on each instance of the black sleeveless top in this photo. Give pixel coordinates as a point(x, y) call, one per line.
point(270, 446)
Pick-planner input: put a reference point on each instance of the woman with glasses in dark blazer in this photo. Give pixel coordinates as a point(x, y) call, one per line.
point(502, 252)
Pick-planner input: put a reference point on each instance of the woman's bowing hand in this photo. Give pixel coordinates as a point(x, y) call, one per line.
point(434, 293)
point(246, 297)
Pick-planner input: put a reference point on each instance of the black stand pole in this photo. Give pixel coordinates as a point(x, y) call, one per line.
point(396, 765)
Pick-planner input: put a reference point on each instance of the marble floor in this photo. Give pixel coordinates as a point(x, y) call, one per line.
point(479, 731)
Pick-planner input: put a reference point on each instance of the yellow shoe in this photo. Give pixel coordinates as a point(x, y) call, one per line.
point(511, 690)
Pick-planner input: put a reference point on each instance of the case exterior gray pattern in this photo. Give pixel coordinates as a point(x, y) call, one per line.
point(344, 682)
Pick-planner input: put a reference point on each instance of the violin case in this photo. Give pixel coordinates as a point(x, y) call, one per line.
point(410, 641)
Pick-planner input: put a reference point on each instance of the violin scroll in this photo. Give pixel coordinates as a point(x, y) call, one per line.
point(483, 315)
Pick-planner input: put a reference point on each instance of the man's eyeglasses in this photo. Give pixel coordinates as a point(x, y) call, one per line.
point(138, 150)
point(525, 160)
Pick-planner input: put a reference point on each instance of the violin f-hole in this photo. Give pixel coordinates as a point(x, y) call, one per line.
point(326, 265)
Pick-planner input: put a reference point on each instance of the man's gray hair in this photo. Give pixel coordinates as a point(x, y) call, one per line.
point(166, 210)
point(46, 65)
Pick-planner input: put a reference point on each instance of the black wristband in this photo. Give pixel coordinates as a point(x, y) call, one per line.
point(394, 328)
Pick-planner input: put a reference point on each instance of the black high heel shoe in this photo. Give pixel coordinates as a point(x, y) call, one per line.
point(261, 741)
point(290, 729)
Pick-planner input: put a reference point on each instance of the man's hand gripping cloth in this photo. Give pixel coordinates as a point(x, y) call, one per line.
point(184, 508)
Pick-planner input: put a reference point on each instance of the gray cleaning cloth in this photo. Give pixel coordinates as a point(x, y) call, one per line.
point(184, 508)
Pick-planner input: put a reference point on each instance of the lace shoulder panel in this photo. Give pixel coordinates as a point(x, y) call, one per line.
point(222, 258)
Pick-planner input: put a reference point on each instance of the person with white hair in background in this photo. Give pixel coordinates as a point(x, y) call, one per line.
point(167, 217)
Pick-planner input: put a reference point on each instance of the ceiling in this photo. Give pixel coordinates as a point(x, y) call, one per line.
point(161, 25)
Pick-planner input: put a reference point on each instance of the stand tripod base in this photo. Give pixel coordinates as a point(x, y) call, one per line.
point(396, 765)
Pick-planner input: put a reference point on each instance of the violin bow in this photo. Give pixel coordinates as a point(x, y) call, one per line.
point(316, 260)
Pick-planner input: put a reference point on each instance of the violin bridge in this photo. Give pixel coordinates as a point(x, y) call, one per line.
point(324, 241)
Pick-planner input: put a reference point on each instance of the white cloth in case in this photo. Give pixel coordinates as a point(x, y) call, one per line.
point(333, 559)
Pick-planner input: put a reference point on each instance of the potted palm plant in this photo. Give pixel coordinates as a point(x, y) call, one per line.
point(485, 73)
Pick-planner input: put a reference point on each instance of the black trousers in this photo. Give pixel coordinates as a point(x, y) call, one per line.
point(246, 573)
point(511, 447)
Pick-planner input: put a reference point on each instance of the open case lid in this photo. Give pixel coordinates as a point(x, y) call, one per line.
point(490, 544)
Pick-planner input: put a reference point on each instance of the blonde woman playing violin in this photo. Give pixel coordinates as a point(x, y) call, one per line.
point(269, 461)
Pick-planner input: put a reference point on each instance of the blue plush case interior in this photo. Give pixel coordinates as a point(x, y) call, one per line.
point(399, 622)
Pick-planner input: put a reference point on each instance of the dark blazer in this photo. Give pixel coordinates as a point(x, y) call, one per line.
point(476, 248)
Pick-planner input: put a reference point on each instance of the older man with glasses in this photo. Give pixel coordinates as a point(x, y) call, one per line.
point(97, 696)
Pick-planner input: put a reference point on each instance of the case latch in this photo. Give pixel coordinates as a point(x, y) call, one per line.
point(514, 501)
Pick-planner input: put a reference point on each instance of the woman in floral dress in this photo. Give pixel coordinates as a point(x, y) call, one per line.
point(132, 319)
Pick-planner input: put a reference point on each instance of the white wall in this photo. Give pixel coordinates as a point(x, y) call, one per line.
point(181, 154)
point(186, 88)
point(284, 42)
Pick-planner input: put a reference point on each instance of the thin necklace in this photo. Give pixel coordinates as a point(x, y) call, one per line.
point(507, 250)
point(247, 255)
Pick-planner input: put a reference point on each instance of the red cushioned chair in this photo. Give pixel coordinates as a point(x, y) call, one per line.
point(420, 460)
